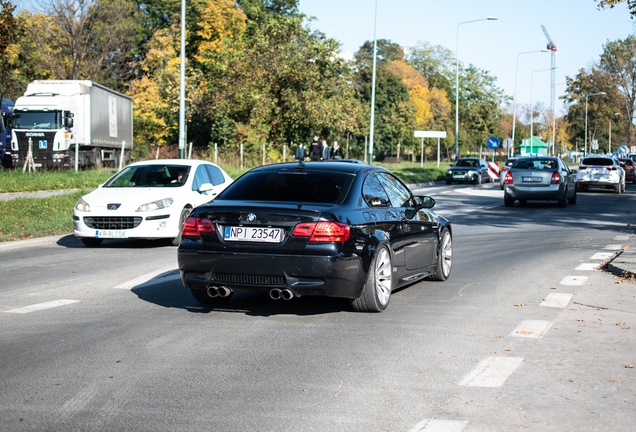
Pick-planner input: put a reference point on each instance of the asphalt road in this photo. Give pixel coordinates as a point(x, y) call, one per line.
point(103, 339)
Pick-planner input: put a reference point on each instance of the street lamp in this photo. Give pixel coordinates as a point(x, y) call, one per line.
point(610, 133)
point(457, 81)
point(531, 109)
point(514, 107)
point(182, 85)
point(587, 96)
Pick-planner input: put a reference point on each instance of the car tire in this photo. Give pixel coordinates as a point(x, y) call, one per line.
point(91, 241)
point(376, 292)
point(444, 259)
point(449, 181)
point(184, 215)
point(563, 201)
point(501, 186)
point(478, 180)
point(573, 199)
point(618, 188)
point(623, 186)
point(508, 200)
point(202, 296)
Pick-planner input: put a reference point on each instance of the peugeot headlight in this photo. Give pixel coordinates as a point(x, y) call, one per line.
point(82, 206)
point(156, 205)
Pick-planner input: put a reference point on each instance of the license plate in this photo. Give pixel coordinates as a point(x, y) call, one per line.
point(531, 179)
point(111, 234)
point(251, 234)
point(459, 175)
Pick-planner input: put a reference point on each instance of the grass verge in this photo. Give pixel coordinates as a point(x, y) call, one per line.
point(18, 181)
point(25, 218)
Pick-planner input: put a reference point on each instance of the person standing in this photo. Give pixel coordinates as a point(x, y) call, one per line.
point(301, 152)
point(315, 149)
point(336, 152)
point(325, 150)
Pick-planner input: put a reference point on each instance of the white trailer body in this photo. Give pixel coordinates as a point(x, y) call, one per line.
point(56, 117)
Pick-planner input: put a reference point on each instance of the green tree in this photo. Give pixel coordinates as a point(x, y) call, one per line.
point(8, 37)
point(609, 4)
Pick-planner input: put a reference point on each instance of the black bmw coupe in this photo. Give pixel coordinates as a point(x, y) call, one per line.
point(314, 229)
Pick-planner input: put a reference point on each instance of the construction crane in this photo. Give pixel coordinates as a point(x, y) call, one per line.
point(552, 47)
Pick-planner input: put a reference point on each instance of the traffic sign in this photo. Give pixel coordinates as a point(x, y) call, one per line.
point(622, 149)
point(493, 142)
point(507, 143)
point(429, 134)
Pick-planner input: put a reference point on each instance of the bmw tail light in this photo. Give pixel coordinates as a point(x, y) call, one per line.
point(508, 179)
point(323, 231)
point(193, 227)
point(555, 178)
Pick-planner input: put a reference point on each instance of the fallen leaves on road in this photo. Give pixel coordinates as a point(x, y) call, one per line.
point(524, 332)
point(580, 319)
point(519, 304)
point(620, 324)
point(629, 367)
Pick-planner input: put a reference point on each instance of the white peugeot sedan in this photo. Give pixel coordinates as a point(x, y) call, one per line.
point(147, 200)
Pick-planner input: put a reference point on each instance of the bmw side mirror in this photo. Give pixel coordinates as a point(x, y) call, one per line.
point(426, 202)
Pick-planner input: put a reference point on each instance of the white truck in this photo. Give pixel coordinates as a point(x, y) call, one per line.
point(55, 118)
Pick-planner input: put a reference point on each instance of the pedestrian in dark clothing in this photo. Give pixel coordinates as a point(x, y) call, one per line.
point(336, 151)
point(325, 150)
point(315, 149)
point(301, 153)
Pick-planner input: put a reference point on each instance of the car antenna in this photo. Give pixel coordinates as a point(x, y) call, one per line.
point(301, 164)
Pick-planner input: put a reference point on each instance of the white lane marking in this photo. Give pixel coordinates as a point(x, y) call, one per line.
point(602, 256)
point(482, 192)
point(165, 275)
point(557, 300)
point(77, 403)
point(491, 372)
point(534, 329)
point(621, 237)
point(588, 266)
point(433, 425)
point(573, 280)
point(614, 247)
point(42, 306)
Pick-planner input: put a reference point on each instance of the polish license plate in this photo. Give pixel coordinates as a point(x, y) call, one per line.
point(459, 175)
point(111, 234)
point(252, 234)
point(531, 179)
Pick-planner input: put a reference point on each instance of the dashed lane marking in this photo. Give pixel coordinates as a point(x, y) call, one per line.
point(613, 247)
point(621, 237)
point(588, 266)
point(434, 425)
point(601, 256)
point(167, 274)
point(573, 280)
point(557, 300)
point(42, 306)
point(492, 372)
point(533, 329)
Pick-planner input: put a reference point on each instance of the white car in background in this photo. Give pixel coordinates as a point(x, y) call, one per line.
point(147, 200)
point(600, 171)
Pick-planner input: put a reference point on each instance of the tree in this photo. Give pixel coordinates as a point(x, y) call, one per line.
point(8, 31)
point(437, 64)
point(387, 51)
point(609, 4)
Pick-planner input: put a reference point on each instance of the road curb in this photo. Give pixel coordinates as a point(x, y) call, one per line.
point(8, 196)
point(31, 242)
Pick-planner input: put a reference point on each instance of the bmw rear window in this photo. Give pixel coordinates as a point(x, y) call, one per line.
point(290, 186)
point(597, 161)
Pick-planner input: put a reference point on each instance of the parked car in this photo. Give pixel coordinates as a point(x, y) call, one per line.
point(330, 229)
point(506, 166)
point(473, 170)
point(600, 171)
point(629, 168)
point(540, 178)
point(147, 200)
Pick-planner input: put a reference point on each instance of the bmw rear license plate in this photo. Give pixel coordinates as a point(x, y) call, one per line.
point(251, 234)
point(531, 179)
point(111, 234)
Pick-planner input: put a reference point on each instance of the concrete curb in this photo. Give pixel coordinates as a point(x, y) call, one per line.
point(31, 242)
point(623, 264)
point(8, 196)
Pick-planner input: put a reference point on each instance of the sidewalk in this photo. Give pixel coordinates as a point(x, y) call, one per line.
point(8, 196)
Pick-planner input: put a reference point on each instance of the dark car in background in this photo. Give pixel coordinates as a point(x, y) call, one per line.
point(471, 170)
point(330, 229)
point(630, 170)
point(540, 178)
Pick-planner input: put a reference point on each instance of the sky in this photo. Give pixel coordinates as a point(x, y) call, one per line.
point(577, 27)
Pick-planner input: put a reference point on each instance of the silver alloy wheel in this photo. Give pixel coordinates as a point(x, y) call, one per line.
point(447, 253)
point(383, 276)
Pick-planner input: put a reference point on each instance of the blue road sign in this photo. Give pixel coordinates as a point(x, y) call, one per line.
point(493, 142)
point(43, 144)
point(622, 149)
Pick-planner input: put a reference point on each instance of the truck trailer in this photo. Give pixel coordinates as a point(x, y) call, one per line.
point(56, 118)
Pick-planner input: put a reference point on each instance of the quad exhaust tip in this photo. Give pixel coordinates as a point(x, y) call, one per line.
point(222, 291)
point(277, 294)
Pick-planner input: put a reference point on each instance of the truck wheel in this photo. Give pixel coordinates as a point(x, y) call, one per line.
point(91, 241)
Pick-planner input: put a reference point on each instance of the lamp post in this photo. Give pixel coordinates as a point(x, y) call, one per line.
point(182, 86)
point(514, 106)
point(610, 133)
point(457, 81)
point(375, 48)
point(531, 108)
point(587, 96)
